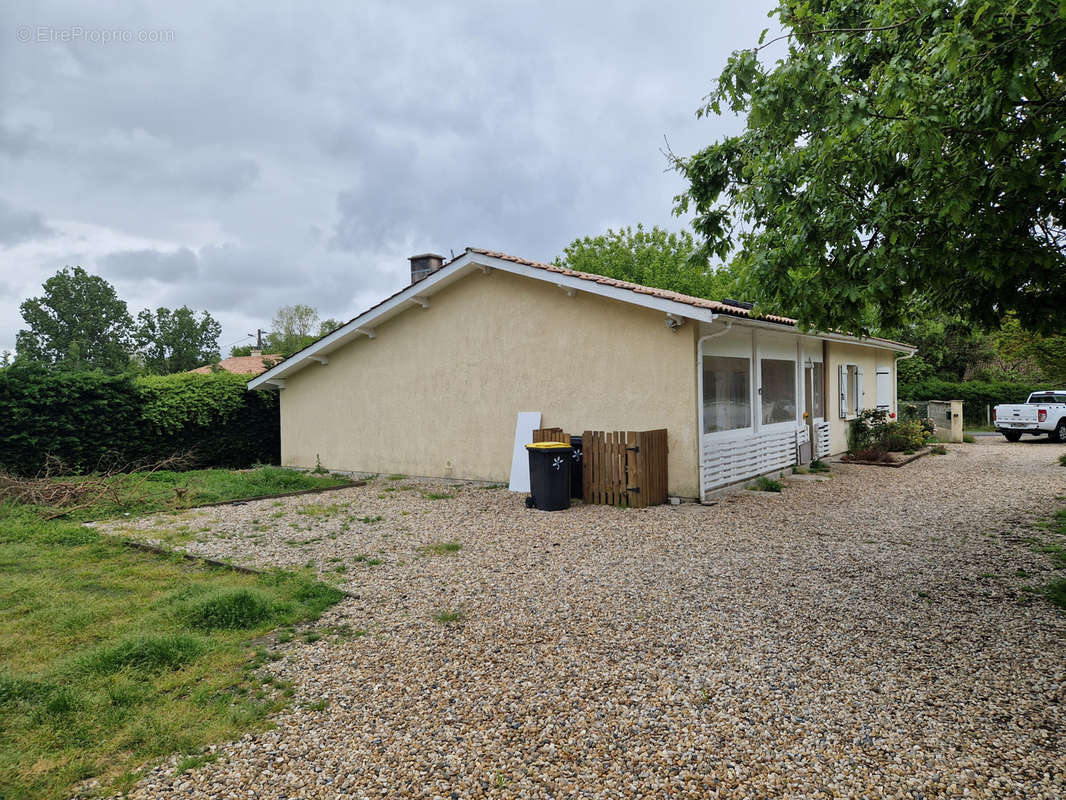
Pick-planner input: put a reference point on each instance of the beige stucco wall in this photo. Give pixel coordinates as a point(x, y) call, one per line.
point(438, 391)
point(869, 359)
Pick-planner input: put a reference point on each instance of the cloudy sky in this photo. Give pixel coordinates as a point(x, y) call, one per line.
point(240, 157)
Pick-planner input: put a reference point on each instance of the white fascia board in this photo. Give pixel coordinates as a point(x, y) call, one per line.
point(365, 321)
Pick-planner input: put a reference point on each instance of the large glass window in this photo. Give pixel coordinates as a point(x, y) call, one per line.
point(818, 390)
point(726, 393)
point(778, 390)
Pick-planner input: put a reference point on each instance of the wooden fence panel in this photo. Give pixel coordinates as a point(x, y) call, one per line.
point(625, 467)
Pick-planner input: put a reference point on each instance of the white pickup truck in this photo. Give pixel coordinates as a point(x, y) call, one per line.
point(1043, 412)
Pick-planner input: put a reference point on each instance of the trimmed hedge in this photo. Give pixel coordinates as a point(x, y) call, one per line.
point(975, 395)
point(91, 421)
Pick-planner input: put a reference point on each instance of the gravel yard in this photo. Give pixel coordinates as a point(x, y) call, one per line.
point(869, 635)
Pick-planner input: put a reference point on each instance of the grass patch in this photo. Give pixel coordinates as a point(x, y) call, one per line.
point(368, 520)
point(968, 439)
point(765, 484)
point(1062, 460)
point(437, 495)
point(441, 549)
point(818, 466)
point(449, 617)
point(938, 450)
point(230, 609)
point(396, 477)
point(146, 653)
point(111, 657)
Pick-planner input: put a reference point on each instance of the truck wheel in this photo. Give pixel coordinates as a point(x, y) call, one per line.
point(1059, 434)
point(1012, 436)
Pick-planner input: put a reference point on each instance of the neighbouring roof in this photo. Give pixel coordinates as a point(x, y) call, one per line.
point(472, 258)
point(241, 365)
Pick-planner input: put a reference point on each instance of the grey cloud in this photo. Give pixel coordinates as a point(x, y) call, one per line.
point(18, 225)
point(301, 153)
point(136, 265)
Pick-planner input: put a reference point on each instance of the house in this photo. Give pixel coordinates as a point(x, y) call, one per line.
point(254, 364)
point(430, 381)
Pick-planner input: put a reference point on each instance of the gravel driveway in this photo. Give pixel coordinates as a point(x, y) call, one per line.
point(869, 635)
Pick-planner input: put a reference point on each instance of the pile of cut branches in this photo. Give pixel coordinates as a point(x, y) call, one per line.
point(57, 496)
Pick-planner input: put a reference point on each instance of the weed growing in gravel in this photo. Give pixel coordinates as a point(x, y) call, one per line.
point(448, 617)
point(938, 450)
point(370, 520)
point(344, 631)
point(396, 477)
point(1062, 460)
point(968, 438)
point(195, 761)
point(437, 495)
point(441, 549)
point(312, 636)
point(1055, 592)
point(818, 466)
point(370, 561)
point(765, 484)
point(320, 510)
point(317, 705)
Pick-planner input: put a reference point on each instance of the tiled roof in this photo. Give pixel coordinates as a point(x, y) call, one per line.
point(664, 294)
point(241, 365)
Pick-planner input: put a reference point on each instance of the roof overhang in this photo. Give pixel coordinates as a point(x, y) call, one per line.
point(419, 294)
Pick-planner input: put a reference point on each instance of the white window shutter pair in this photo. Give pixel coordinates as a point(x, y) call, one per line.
point(843, 391)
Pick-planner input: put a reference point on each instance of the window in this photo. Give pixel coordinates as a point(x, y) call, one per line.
point(726, 393)
point(778, 391)
point(854, 393)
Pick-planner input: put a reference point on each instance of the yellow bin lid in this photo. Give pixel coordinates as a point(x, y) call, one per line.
point(547, 445)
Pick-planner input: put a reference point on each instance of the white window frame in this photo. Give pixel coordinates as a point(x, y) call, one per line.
point(777, 348)
point(736, 344)
point(851, 402)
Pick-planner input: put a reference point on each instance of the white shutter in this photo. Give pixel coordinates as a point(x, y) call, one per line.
point(884, 388)
point(843, 385)
point(860, 403)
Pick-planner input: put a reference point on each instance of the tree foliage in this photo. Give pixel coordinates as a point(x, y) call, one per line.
point(899, 152)
point(78, 323)
point(653, 257)
point(293, 328)
point(176, 341)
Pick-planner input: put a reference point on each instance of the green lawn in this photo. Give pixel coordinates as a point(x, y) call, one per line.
point(110, 657)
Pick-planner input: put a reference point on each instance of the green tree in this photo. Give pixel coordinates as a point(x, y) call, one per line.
point(898, 150)
point(653, 257)
point(293, 328)
point(78, 323)
point(327, 326)
point(176, 341)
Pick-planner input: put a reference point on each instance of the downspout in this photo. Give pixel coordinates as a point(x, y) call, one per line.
point(699, 398)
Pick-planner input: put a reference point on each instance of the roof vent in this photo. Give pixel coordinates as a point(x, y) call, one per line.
point(423, 265)
point(726, 301)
